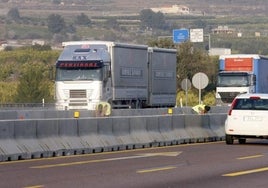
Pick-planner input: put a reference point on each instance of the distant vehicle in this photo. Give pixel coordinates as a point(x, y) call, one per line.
point(247, 118)
point(124, 75)
point(241, 73)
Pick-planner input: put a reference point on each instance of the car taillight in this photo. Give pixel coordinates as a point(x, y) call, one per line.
point(232, 106)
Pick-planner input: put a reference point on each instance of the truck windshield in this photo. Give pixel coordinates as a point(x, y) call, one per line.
point(233, 80)
point(71, 74)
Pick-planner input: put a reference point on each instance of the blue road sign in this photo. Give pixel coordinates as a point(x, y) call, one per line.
point(180, 35)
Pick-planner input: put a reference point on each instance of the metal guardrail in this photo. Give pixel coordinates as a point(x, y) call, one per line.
point(26, 106)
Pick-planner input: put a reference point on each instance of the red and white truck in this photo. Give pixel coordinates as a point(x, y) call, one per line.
point(241, 73)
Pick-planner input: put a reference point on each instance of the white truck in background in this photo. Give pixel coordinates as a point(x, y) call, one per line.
point(241, 73)
point(124, 75)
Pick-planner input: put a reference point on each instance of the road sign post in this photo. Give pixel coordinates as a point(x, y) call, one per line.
point(186, 85)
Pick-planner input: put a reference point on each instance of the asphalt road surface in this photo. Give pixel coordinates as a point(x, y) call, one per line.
point(207, 165)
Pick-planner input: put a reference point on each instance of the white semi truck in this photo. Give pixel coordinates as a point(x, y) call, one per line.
point(124, 75)
point(241, 73)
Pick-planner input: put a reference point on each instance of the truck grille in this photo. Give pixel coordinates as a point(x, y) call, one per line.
point(78, 104)
point(78, 93)
point(228, 97)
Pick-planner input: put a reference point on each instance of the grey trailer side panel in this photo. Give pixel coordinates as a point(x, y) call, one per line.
point(129, 71)
point(162, 77)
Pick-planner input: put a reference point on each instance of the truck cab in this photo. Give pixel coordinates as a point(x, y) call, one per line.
point(82, 72)
point(230, 84)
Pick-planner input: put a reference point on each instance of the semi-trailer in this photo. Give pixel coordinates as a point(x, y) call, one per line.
point(124, 75)
point(241, 73)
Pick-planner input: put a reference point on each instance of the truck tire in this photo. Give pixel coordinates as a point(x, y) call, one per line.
point(241, 140)
point(136, 104)
point(229, 139)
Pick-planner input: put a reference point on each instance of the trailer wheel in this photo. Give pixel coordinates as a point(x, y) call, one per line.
point(133, 104)
point(137, 104)
point(241, 140)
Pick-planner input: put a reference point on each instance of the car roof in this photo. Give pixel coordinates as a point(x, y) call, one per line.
point(248, 95)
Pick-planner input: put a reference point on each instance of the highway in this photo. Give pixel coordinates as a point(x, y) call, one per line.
point(211, 164)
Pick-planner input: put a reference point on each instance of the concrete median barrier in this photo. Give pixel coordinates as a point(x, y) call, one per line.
point(9, 147)
point(152, 128)
point(121, 131)
point(38, 138)
point(216, 124)
point(48, 137)
point(165, 125)
point(68, 133)
point(138, 132)
point(181, 135)
point(197, 126)
point(25, 136)
point(88, 132)
point(105, 133)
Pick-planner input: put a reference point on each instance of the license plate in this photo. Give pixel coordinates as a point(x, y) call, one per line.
point(253, 118)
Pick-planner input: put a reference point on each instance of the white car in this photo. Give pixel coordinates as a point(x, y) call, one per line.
point(247, 118)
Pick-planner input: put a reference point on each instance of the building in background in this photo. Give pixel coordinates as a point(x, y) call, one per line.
point(223, 30)
point(219, 51)
point(174, 9)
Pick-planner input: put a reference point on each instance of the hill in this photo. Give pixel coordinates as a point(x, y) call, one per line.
point(119, 20)
point(127, 7)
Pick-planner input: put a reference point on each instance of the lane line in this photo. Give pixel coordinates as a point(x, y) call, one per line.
point(250, 157)
point(35, 186)
point(86, 162)
point(156, 169)
point(240, 173)
point(145, 155)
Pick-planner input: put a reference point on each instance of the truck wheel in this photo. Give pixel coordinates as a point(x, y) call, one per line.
point(241, 140)
point(229, 139)
point(137, 104)
point(134, 104)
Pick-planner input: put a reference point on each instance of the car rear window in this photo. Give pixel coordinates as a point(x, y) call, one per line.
point(251, 104)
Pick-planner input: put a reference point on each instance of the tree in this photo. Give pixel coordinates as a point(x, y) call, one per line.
point(34, 84)
point(57, 2)
point(55, 23)
point(162, 43)
point(7, 91)
point(158, 20)
point(151, 19)
point(190, 60)
point(13, 14)
point(82, 19)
